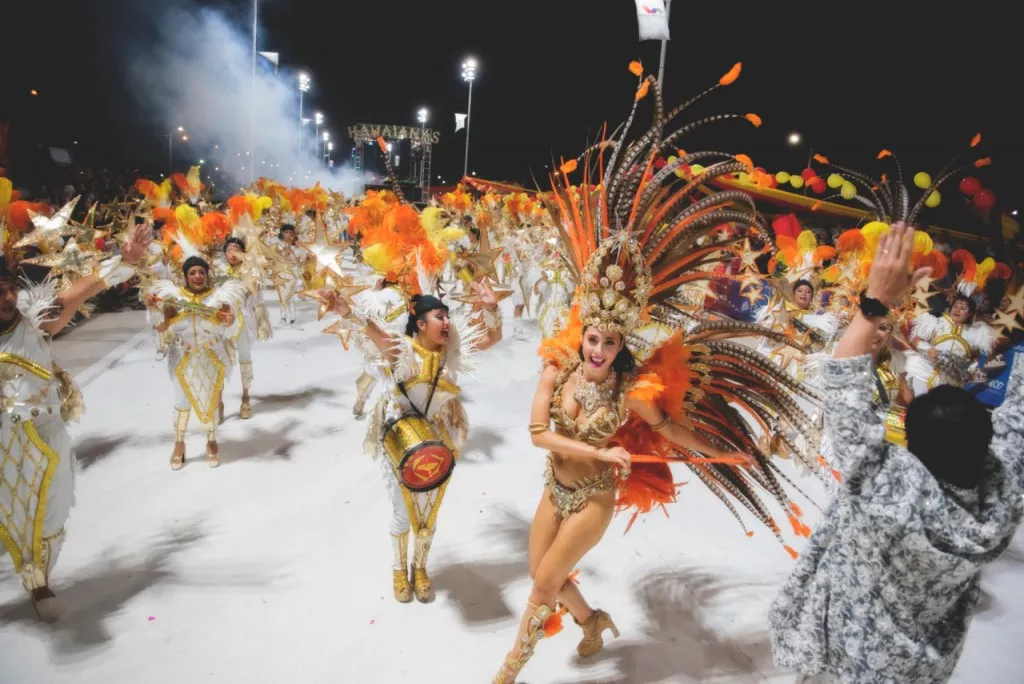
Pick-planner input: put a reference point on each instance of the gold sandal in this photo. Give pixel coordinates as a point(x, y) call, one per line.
point(423, 586)
point(212, 457)
point(178, 460)
point(245, 410)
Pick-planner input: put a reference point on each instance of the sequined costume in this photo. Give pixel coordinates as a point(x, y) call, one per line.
point(201, 349)
point(391, 310)
point(426, 382)
point(37, 399)
point(634, 238)
point(957, 346)
point(297, 272)
point(555, 295)
point(254, 324)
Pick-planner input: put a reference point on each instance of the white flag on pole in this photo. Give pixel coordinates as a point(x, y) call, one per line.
point(652, 19)
point(272, 57)
point(460, 122)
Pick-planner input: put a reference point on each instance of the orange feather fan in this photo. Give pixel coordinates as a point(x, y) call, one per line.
point(20, 221)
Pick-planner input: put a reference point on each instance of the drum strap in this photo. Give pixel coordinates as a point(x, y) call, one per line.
point(430, 397)
point(880, 386)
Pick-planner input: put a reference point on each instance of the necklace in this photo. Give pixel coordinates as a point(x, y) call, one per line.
point(591, 395)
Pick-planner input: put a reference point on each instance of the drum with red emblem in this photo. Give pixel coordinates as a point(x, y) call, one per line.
point(420, 458)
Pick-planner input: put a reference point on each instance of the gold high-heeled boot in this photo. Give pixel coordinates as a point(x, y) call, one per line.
point(420, 580)
point(245, 410)
point(534, 632)
point(181, 417)
point(212, 452)
point(400, 572)
point(593, 628)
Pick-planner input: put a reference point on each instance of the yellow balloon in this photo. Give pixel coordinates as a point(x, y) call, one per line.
point(933, 199)
point(696, 169)
point(923, 181)
point(743, 177)
point(796, 181)
point(835, 181)
point(782, 177)
point(848, 191)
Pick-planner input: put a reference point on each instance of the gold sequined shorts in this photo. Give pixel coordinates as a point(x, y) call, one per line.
point(569, 500)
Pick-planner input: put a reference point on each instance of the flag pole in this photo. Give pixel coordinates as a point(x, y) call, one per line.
point(664, 48)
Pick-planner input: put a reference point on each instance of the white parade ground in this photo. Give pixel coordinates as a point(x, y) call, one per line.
point(276, 567)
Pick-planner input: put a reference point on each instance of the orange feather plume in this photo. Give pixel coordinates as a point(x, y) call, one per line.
point(216, 225)
point(730, 76)
point(636, 68)
point(754, 119)
point(20, 221)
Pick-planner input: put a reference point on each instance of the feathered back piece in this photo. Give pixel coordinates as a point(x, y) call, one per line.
point(185, 233)
point(155, 195)
point(395, 242)
point(974, 276)
point(890, 200)
point(189, 186)
point(634, 232)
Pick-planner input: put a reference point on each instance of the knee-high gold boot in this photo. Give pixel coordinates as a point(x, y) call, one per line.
point(212, 452)
point(181, 417)
point(532, 631)
point(420, 580)
point(400, 571)
point(245, 410)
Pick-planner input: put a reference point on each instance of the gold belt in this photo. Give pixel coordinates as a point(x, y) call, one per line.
point(569, 500)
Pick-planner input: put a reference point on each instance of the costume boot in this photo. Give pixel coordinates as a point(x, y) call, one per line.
point(181, 417)
point(245, 411)
point(530, 632)
point(420, 580)
point(400, 571)
point(593, 628)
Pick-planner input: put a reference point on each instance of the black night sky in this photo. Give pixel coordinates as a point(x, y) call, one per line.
point(919, 78)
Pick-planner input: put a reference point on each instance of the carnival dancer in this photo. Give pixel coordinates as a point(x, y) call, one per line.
point(36, 473)
point(203, 321)
point(255, 322)
point(618, 421)
point(798, 319)
point(392, 310)
point(948, 346)
point(289, 248)
point(554, 291)
point(422, 399)
point(418, 425)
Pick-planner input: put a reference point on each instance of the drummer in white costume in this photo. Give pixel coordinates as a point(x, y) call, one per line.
point(36, 400)
point(420, 408)
point(946, 346)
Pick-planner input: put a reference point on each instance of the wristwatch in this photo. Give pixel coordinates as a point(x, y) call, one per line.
point(871, 307)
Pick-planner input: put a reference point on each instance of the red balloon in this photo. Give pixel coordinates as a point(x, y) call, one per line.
point(808, 174)
point(970, 185)
point(985, 199)
point(760, 168)
point(772, 183)
point(659, 163)
point(817, 185)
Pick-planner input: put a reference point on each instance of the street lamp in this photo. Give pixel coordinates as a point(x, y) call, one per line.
point(794, 139)
point(303, 89)
point(318, 120)
point(422, 116)
point(468, 75)
point(330, 148)
point(170, 146)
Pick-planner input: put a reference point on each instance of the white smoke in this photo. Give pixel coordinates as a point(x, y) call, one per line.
point(198, 75)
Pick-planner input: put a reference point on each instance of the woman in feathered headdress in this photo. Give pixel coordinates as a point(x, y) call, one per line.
point(202, 321)
point(38, 398)
point(610, 410)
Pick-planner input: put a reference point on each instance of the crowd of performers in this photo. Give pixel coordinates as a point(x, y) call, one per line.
point(615, 263)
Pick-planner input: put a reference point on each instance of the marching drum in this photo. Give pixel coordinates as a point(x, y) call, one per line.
point(420, 459)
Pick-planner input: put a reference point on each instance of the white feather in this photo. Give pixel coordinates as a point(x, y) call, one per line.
point(925, 326)
point(36, 301)
point(981, 336)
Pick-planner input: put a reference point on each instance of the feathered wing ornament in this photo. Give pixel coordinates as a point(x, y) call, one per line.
point(636, 240)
